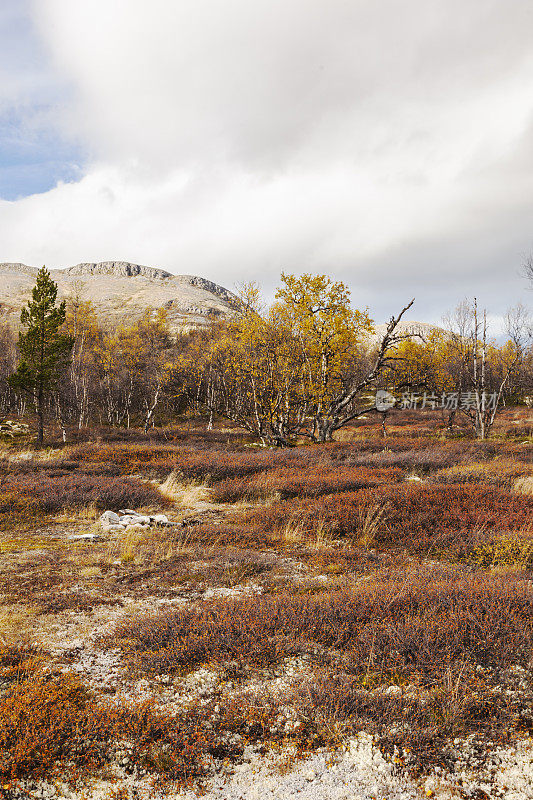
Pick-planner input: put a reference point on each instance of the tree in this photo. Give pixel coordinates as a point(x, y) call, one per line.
point(44, 349)
point(81, 394)
point(485, 369)
point(250, 372)
point(298, 369)
point(7, 365)
point(334, 347)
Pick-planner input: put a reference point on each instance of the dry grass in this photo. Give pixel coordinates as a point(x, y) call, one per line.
point(185, 494)
point(524, 485)
point(16, 624)
point(371, 522)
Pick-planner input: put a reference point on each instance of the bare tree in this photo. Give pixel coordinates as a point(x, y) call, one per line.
point(481, 376)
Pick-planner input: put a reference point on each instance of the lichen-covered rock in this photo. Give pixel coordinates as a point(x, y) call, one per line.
point(109, 518)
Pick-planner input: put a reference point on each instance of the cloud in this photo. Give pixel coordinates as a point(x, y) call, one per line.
point(388, 144)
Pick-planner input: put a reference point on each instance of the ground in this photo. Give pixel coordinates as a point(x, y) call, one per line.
point(349, 620)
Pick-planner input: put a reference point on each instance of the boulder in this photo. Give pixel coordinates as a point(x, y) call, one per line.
point(161, 519)
point(142, 519)
point(109, 518)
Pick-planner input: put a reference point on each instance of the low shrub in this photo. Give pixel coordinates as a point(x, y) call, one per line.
point(418, 517)
point(505, 472)
point(47, 721)
point(510, 551)
point(292, 482)
point(421, 622)
point(51, 492)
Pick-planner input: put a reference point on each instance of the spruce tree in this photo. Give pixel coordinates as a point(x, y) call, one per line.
point(44, 349)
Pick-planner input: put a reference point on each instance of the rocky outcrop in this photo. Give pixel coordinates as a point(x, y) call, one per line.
point(410, 328)
point(9, 266)
point(118, 269)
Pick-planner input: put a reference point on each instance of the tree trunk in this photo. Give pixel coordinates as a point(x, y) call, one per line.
point(40, 416)
point(324, 428)
point(150, 412)
point(60, 420)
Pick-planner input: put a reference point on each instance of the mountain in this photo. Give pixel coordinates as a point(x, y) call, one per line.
point(410, 328)
point(123, 291)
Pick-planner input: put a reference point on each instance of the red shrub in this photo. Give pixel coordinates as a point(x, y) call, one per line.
point(52, 492)
point(421, 621)
point(292, 482)
point(416, 517)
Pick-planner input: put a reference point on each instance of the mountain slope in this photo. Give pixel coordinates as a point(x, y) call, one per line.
point(119, 289)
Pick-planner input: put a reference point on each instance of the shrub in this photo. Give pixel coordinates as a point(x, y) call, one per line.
point(500, 472)
point(292, 482)
point(418, 517)
point(47, 720)
point(514, 551)
point(53, 492)
point(421, 622)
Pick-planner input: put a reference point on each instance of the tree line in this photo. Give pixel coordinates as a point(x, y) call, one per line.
point(306, 366)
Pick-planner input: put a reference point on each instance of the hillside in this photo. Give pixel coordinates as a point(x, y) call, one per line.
point(118, 289)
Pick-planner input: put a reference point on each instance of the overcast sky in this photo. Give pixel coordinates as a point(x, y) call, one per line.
point(388, 143)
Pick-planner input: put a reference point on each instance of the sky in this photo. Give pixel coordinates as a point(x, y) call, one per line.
point(386, 143)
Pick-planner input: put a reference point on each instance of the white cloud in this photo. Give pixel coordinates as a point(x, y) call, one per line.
point(387, 143)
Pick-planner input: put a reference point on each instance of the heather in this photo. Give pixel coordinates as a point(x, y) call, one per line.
point(298, 596)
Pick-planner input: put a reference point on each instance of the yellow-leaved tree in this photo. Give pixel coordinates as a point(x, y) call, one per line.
point(334, 347)
point(297, 368)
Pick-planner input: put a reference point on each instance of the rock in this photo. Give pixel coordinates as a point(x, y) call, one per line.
point(161, 519)
point(392, 690)
point(142, 519)
point(109, 518)
point(89, 537)
point(127, 512)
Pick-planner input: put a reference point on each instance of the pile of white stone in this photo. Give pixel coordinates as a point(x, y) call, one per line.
point(126, 519)
point(11, 429)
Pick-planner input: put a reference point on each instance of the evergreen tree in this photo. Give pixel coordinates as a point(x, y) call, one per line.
point(44, 349)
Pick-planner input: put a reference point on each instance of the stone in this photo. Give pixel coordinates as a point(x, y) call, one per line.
point(109, 518)
point(89, 537)
point(142, 519)
point(161, 519)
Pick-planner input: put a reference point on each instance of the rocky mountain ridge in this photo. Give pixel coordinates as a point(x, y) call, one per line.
point(120, 289)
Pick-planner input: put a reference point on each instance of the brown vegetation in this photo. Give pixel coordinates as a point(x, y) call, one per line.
point(406, 604)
